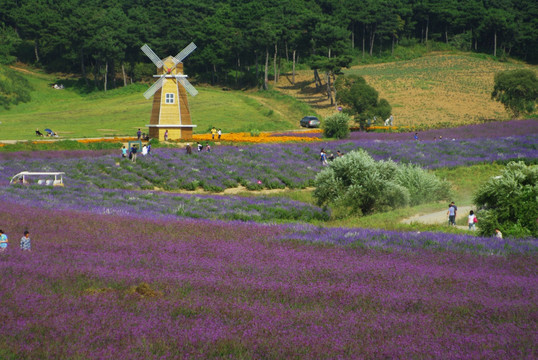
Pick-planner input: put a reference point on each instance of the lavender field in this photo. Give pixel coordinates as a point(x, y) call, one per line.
point(263, 166)
point(109, 287)
point(123, 266)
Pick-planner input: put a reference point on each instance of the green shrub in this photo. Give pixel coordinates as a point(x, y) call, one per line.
point(255, 132)
point(361, 185)
point(508, 202)
point(422, 185)
point(336, 126)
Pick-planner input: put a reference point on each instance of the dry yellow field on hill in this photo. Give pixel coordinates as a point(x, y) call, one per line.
point(447, 88)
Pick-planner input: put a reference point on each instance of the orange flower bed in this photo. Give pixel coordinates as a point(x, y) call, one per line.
point(264, 137)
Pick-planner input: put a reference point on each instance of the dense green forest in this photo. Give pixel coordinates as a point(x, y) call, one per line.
point(239, 40)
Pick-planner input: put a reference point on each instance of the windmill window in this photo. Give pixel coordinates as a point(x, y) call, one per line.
point(169, 98)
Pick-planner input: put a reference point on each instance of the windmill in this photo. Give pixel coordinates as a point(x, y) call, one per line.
point(170, 113)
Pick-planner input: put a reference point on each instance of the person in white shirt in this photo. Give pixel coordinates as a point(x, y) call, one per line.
point(472, 220)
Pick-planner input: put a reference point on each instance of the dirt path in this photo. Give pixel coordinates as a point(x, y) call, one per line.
point(439, 217)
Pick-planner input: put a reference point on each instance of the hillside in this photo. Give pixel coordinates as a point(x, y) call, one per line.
point(438, 88)
point(74, 114)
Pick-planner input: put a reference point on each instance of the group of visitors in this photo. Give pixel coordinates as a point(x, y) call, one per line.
point(215, 132)
point(48, 131)
point(142, 136)
point(472, 220)
point(200, 147)
point(389, 121)
point(132, 152)
point(25, 243)
point(325, 160)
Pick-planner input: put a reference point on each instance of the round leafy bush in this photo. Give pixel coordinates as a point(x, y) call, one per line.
point(361, 185)
point(336, 126)
point(508, 202)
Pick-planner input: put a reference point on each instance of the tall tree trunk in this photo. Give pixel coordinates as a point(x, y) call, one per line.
point(237, 65)
point(495, 43)
point(287, 54)
point(392, 49)
point(422, 34)
point(293, 69)
point(123, 72)
point(353, 36)
point(471, 39)
point(82, 67)
point(96, 71)
point(213, 74)
point(427, 28)
point(257, 69)
point(106, 75)
point(446, 35)
point(329, 92)
point(36, 52)
point(317, 80)
point(363, 41)
point(274, 66)
point(380, 44)
point(266, 76)
point(372, 39)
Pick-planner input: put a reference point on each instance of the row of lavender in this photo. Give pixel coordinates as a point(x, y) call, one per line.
point(159, 204)
point(490, 130)
point(265, 166)
point(119, 287)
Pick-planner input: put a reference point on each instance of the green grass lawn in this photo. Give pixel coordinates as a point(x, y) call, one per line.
point(120, 112)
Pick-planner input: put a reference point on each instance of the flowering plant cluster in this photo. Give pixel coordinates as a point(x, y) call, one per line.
point(127, 287)
point(160, 204)
point(261, 166)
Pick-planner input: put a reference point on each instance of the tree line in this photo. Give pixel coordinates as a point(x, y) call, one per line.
point(246, 42)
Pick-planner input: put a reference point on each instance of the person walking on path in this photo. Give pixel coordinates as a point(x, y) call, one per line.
point(213, 132)
point(220, 133)
point(124, 152)
point(26, 243)
point(472, 220)
point(3, 241)
point(188, 148)
point(139, 134)
point(166, 135)
point(133, 153)
point(451, 214)
point(498, 234)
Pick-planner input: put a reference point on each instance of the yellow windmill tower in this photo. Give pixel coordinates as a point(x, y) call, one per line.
point(170, 114)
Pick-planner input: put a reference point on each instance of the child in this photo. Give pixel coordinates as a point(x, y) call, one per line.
point(3, 241)
point(472, 220)
point(26, 243)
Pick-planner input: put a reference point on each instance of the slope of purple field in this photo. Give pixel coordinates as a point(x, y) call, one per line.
point(112, 287)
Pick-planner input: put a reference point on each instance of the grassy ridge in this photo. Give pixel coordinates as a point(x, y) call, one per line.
point(122, 111)
point(440, 88)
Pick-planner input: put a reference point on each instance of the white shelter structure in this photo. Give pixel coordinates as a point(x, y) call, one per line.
point(44, 178)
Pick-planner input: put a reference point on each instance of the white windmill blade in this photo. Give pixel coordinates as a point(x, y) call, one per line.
point(153, 89)
point(184, 53)
point(187, 85)
point(153, 57)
